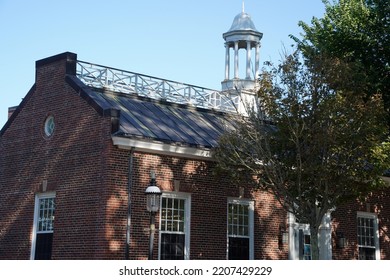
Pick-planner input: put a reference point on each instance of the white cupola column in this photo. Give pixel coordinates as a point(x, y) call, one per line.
point(257, 59)
point(248, 60)
point(227, 61)
point(236, 62)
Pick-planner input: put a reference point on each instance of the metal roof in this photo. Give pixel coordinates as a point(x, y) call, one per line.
point(242, 21)
point(243, 29)
point(162, 121)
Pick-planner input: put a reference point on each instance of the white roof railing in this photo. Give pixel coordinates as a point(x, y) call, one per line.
point(99, 76)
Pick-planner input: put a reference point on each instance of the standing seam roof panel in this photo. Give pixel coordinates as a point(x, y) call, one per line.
point(186, 127)
point(145, 116)
point(195, 121)
point(130, 123)
point(164, 122)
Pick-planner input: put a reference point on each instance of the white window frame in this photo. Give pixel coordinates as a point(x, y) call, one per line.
point(49, 126)
point(38, 197)
point(251, 206)
point(376, 231)
point(187, 223)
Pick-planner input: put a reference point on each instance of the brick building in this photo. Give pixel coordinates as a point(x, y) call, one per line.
point(76, 157)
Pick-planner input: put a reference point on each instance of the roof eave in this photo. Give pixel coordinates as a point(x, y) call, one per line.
point(154, 147)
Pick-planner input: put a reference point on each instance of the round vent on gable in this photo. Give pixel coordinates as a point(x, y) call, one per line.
point(49, 126)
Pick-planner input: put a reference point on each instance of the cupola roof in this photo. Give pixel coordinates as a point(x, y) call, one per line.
point(242, 22)
point(242, 29)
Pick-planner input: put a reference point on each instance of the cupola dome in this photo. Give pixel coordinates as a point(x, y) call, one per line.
point(242, 21)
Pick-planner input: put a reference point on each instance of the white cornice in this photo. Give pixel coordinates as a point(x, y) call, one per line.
point(161, 148)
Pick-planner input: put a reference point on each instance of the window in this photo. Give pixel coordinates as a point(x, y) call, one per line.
point(174, 226)
point(240, 229)
point(49, 126)
point(367, 234)
point(43, 226)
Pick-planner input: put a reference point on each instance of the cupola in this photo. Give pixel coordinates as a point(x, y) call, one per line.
point(241, 35)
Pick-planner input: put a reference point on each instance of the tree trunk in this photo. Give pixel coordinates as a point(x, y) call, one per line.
point(315, 252)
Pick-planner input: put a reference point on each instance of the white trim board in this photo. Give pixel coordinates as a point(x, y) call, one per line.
point(162, 148)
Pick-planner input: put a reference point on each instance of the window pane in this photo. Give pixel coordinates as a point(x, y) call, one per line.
point(164, 204)
point(169, 213)
point(230, 229)
point(238, 219)
point(366, 253)
point(181, 227)
point(172, 246)
point(43, 246)
point(238, 248)
point(246, 231)
point(173, 215)
point(307, 252)
point(46, 214)
point(176, 204)
point(245, 210)
point(169, 225)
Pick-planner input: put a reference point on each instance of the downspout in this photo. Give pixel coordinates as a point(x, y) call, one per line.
point(129, 187)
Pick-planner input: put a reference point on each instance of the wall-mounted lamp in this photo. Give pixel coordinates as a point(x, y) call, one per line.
point(153, 194)
point(283, 236)
point(341, 241)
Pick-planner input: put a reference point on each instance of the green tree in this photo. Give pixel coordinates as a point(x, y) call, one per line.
point(356, 31)
point(313, 147)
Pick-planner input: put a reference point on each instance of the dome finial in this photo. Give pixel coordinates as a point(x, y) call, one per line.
point(243, 6)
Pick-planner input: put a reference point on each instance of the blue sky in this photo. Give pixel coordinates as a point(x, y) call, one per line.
point(170, 39)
